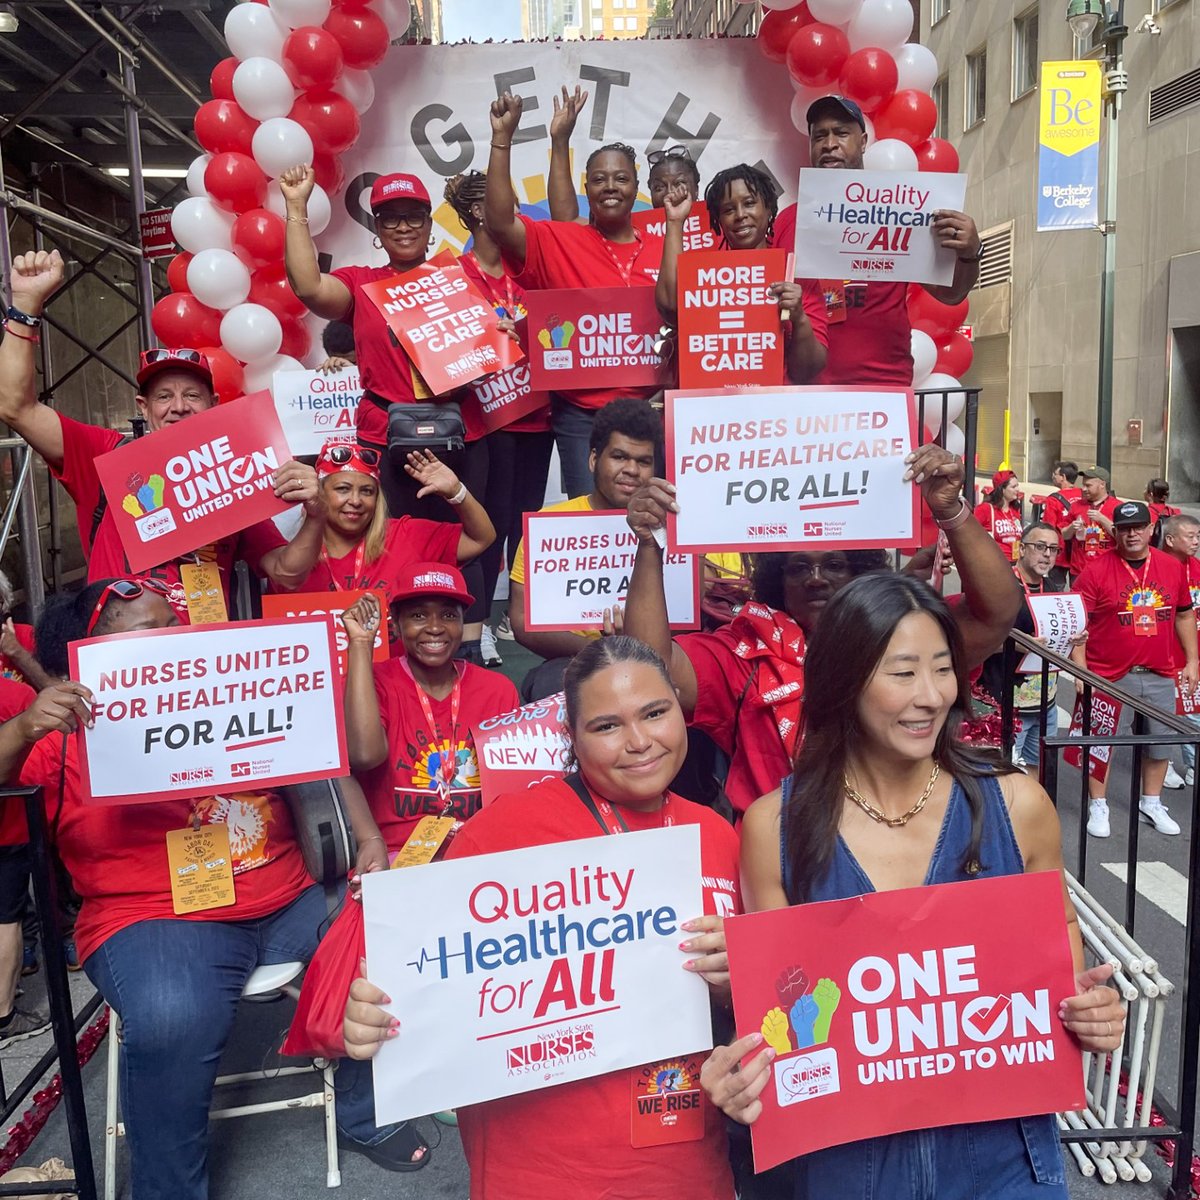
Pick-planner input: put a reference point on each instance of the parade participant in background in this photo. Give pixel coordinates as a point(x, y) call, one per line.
point(408, 721)
point(672, 167)
point(608, 252)
point(886, 691)
point(1089, 532)
point(1057, 509)
point(872, 343)
point(174, 385)
point(18, 657)
point(628, 739)
point(999, 512)
point(1158, 492)
point(1181, 540)
point(174, 978)
point(742, 203)
point(1142, 632)
point(337, 340)
point(518, 454)
point(742, 684)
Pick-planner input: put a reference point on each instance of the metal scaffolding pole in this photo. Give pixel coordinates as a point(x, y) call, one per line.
point(83, 232)
point(137, 189)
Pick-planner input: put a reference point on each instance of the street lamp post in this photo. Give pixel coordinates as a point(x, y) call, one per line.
point(1083, 16)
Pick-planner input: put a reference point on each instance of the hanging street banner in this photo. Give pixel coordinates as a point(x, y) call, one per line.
point(314, 407)
point(1069, 146)
point(521, 748)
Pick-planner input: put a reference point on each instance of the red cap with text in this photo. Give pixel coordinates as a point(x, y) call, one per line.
point(431, 579)
point(398, 187)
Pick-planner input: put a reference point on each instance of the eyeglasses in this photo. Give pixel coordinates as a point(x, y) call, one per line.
point(124, 589)
point(657, 156)
point(184, 355)
point(805, 568)
point(1042, 548)
point(341, 455)
point(402, 220)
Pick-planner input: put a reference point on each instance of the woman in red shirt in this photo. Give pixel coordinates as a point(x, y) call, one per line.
point(999, 512)
point(629, 739)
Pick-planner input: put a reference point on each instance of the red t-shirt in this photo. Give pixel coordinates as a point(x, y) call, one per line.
point(872, 345)
point(82, 445)
point(116, 855)
point(561, 254)
point(404, 790)
point(1113, 592)
point(1093, 542)
point(1160, 511)
point(1193, 574)
point(1057, 509)
point(574, 1139)
point(1004, 524)
point(15, 698)
point(8, 669)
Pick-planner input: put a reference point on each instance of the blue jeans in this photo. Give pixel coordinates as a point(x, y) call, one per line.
point(176, 985)
point(1027, 734)
point(1189, 751)
point(572, 427)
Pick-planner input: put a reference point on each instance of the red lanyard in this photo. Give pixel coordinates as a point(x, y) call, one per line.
point(1141, 583)
point(356, 578)
point(1041, 584)
point(607, 815)
point(509, 307)
point(448, 764)
point(624, 269)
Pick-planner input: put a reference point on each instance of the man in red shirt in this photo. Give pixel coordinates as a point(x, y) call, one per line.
point(1088, 532)
point(1181, 540)
point(1142, 633)
point(1057, 509)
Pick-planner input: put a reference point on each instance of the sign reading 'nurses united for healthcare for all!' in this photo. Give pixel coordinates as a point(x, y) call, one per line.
point(1069, 146)
point(534, 967)
point(907, 1010)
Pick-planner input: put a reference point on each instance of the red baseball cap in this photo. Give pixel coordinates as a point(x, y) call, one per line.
point(398, 187)
point(345, 454)
point(155, 362)
point(1002, 477)
point(432, 579)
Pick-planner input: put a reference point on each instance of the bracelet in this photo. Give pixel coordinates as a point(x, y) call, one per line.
point(25, 337)
point(375, 837)
point(458, 496)
point(298, 220)
point(23, 318)
point(497, 146)
point(959, 518)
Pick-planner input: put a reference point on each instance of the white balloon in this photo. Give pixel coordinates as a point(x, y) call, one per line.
point(198, 224)
point(834, 12)
point(924, 356)
point(884, 23)
point(251, 332)
point(889, 154)
point(395, 14)
point(779, 5)
point(262, 88)
point(295, 13)
point(916, 68)
point(258, 375)
point(955, 440)
point(319, 209)
point(195, 175)
point(359, 88)
point(939, 382)
point(253, 30)
point(279, 143)
point(870, 128)
point(218, 278)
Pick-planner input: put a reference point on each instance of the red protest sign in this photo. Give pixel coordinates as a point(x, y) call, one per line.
point(1187, 702)
point(593, 338)
point(290, 605)
point(729, 328)
point(444, 323)
point(1106, 712)
point(196, 481)
point(907, 1010)
point(697, 229)
point(154, 226)
point(518, 749)
point(504, 397)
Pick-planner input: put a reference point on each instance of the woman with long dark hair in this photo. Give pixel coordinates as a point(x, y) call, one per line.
point(885, 796)
point(999, 512)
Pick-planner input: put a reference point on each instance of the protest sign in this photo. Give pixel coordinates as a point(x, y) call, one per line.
point(288, 605)
point(192, 711)
point(195, 481)
point(697, 228)
point(445, 324)
point(507, 396)
point(1106, 713)
point(549, 964)
point(1058, 618)
point(729, 327)
point(577, 564)
point(1187, 702)
point(593, 338)
point(874, 225)
point(907, 1010)
point(314, 407)
point(517, 749)
point(798, 468)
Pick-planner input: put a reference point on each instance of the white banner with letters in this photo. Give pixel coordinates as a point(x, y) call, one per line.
point(314, 407)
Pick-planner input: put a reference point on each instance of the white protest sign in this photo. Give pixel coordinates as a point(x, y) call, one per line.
point(874, 225)
point(193, 710)
point(796, 468)
point(519, 749)
point(1058, 617)
point(577, 564)
point(534, 967)
point(314, 407)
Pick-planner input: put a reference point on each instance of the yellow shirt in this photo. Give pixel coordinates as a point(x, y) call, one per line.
point(578, 504)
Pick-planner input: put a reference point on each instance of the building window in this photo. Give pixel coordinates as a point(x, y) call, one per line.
point(938, 11)
point(941, 97)
point(1158, 5)
point(1025, 53)
point(975, 106)
point(618, 23)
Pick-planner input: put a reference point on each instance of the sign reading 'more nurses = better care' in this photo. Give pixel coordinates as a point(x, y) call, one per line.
point(1069, 146)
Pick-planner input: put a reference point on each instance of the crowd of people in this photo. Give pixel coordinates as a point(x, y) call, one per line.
point(813, 733)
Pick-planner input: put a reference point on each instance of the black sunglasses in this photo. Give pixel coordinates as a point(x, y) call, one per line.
point(340, 455)
point(657, 156)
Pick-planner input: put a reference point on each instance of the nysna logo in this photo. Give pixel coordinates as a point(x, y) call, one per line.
point(143, 502)
point(399, 185)
point(433, 579)
point(195, 775)
point(872, 264)
point(554, 340)
point(766, 531)
point(795, 1028)
point(549, 1052)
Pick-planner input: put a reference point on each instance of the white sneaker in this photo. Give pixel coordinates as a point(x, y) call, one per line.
point(1156, 813)
point(1173, 779)
point(1098, 818)
point(504, 629)
point(487, 647)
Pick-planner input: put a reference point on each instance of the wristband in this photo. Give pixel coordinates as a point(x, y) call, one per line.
point(959, 518)
point(25, 337)
point(497, 146)
point(974, 258)
point(23, 318)
point(458, 496)
point(375, 837)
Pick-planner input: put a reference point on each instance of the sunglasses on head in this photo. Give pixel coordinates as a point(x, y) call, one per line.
point(124, 589)
point(157, 356)
point(657, 156)
point(341, 455)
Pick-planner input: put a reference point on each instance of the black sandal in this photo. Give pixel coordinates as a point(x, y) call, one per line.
point(395, 1152)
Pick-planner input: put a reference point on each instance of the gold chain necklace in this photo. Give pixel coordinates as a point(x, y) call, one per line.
point(892, 822)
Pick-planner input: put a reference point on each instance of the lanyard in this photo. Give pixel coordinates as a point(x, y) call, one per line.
point(1141, 583)
point(607, 815)
point(356, 578)
point(1025, 585)
point(448, 766)
point(509, 307)
point(624, 269)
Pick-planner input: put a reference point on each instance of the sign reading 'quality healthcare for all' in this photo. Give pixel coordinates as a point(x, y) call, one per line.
point(1069, 146)
point(314, 407)
point(795, 469)
point(192, 711)
point(907, 1010)
point(534, 967)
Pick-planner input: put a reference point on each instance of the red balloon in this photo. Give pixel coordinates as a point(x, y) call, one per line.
point(330, 173)
point(181, 320)
point(816, 53)
point(220, 82)
point(779, 27)
point(258, 238)
point(227, 373)
point(177, 272)
point(937, 154)
point(955, 354)
point(932, 316)
point(297, 341)
point(869, 77)
point(270, 288)
point(222, 127)
point(362, 35)
point(312, 58)
point(331, 121)
point(235, 182)
point(909, 115)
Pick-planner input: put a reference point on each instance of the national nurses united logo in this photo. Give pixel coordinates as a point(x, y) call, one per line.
point(796, 1029)
point(144, 503)
point(555, 340)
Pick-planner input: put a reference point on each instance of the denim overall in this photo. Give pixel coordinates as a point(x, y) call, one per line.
point(1018, 1159)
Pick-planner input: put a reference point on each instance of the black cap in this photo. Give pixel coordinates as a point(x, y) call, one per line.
point(1131, 513)
point(839, 104)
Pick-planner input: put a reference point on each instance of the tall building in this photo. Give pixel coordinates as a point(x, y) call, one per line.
point(615, 18)
point(550, 19)
point(708, 18)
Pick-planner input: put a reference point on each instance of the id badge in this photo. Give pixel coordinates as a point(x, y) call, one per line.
point(424, 842)
point(1145, 620)
point(834, 291)
point(666, 1104)
point(201, 866)
point(205, 595)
